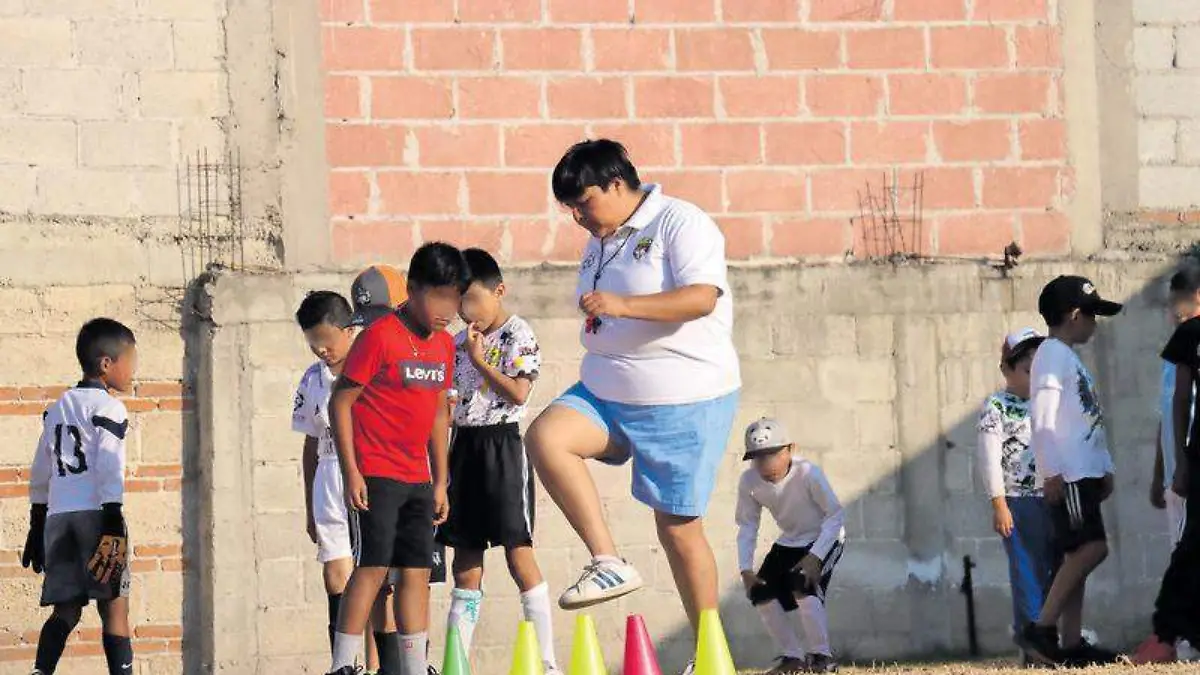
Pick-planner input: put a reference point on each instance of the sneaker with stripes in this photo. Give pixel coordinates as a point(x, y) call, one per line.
point(602, 580)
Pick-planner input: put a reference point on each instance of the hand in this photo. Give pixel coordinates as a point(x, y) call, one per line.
point(1002, 520)
point(750, 580)
point(441, 504)
point(474, 345)
point(356, 491)
point(599, 303)
point(1179, 484)
point(109, 560)
point(1052, 490)
point(1158, 495)
point(312, 529)
point(1106, 486)
point(810, 565)
point(34, 555)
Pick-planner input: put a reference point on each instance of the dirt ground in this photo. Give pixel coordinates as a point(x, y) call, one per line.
point(1005, 668)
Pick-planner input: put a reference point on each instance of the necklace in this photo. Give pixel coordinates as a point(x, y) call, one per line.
point(408, 332)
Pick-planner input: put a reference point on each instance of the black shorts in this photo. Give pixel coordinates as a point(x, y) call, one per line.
point(397, 529)
point(1077, 518)
point(491, 489)
point(782, 579)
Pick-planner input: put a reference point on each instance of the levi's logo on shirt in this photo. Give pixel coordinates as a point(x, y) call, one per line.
point(423, 374)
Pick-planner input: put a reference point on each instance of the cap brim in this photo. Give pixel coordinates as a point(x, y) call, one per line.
point(366, 316)
point(1106, 308)
point(751, 454)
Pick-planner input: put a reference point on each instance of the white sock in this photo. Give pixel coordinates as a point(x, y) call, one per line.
point(816, 625)
point(608, 558)
point(465, 604)
point(535, 603)
point(782, 629)
point(414, 654)
point(346, 648)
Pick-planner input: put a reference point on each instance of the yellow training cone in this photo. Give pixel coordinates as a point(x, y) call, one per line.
point(712, 651)
point(527, 658)
point(586, 657)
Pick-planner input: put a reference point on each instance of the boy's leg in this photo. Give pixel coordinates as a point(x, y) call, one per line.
point(813, 616)
point(1071, 623)
point(116, 633)
point(336, 574)
point(1028, 559)
point(412, 619)
point(383, 638)
point(693, 564)
point(466, 599)
point(356, 605)
point(776, 603)
point(535, 599)
point(53, 639)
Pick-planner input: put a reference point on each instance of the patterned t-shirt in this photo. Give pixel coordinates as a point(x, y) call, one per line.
point(513, 350)
point(1006, 459)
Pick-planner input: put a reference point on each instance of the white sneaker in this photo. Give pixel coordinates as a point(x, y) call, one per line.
point(549, 669)
point(601, 581)
point(1186, 652)
point(690, 669)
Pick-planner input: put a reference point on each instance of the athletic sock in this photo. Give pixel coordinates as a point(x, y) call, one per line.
point(816, 625)
point(535, 603)
point(346, 650)
point(388, 647)
point(118, 651)
point(51, 644)
point(335, 603)
point(782, 629)
point(465, 604)
point(616, 560)
point(413, 649)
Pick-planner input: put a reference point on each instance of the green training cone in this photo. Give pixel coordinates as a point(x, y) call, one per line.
point(454, 660)
point(712, 651)
point(586, 657)
point(527, 658)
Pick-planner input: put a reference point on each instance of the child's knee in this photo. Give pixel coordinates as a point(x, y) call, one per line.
point(678, 531)
point(69, 614)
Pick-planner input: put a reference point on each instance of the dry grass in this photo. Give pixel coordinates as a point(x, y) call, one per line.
point(1007, 668)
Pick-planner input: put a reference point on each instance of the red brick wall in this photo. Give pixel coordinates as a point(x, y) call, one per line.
point(446, 116)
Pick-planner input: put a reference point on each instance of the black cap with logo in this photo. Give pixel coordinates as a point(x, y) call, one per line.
point(1067, 293)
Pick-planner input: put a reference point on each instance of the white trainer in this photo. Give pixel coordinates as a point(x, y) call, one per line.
point(601, 581)
point(690, 669)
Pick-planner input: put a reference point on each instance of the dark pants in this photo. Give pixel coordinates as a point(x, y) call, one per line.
point(1032, 558)
point(1177, 609)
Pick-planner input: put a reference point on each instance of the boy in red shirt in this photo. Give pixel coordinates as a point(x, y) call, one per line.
point(391, 425)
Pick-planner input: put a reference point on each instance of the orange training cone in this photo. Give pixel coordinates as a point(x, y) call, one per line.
point(712, 651)
point(527, 658)
point(640, 658)
point(454, 660)
point(586, 656)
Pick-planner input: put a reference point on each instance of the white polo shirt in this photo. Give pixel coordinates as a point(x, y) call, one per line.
point(667, 244)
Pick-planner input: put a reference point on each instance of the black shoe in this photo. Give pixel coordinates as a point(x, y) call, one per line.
point(347, 670)
point(788, 665)
point(1086, 654)
point(1040, 645)
point(821, 663)
point(433, 671)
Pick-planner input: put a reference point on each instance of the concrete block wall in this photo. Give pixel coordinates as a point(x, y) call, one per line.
point(445, 118)
point(878, 370)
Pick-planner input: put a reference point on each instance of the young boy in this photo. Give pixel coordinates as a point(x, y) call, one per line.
point(1165, 460)
point(796, 571)
point(390, 421)
point(1071, 447)
point(497, 359)
point(1009, 471)
point(77, 532)
point(1177, 609)
point(329, 327)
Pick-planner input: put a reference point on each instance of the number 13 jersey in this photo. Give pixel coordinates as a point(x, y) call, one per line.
point(80, 460)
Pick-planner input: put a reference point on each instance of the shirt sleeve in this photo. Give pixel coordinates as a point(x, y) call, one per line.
point(833, 525)
point(39, 479)
point(695, 252)
point(366, 357)
point(1183, 349)
point(990, 449)
point(1044, 418)
point(747, 515)
point(302, 410)
point(523, 355)
point(111, 424)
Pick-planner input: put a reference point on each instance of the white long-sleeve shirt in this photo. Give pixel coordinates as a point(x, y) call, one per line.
point(79, 464)
point(1006, 462)
point(803, 504)
point(1069, 437)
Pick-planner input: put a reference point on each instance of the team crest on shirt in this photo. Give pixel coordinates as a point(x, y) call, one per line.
point(642, 248)
point(363, 297)
point(587, 262)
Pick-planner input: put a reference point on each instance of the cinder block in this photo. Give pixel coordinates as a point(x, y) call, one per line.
point(77, 9)
point(12, 98)
point(124, 43)
point(1156, 141)
point(857, 380)
point(19, 436)
point(281, 535)
point(1166, 11)
point(1189, 142)
point(1169, 187)
point(280, 345)
point(813, 335)
point(160, 355)
point(874, 335)
point(183, 94)
point(21, 311)
point(38, 142)
point(273, 438)
point(280, 583)
point(43, 362)
point(154, 517)
point(274, 389)
point(278, 488)
point(93, 93)
point(28, 41)
point(199, 45)
point(1167, 94)
point(820, 425)
point(68, 307)
point(18, 187)
point(86, 192)
point(182, 9)
point(160, 436)
point(876, 424)
point(142, 143)
point(1154, 47)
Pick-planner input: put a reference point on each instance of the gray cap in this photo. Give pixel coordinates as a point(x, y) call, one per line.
point(376, 292)
point(764, 436)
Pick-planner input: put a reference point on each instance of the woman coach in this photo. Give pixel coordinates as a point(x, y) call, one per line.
point(659, 382)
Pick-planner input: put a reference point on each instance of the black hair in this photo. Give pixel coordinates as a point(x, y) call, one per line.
point(439, 264)
point(99, 338)
point(1186, 280)
point(483, 268)
point(321, 307)
point(588, 163)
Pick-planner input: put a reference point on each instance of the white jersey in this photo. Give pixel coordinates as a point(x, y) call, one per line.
point(1069, 437)
point(803, 504)
point(310, 411)
point(79, 464)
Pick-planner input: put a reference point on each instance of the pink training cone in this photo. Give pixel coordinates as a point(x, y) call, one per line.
point(712, 650)
point(640, 658)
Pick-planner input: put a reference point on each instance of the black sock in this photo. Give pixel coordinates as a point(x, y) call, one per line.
point(388, 646)
point(335, 603)
point(118, 651)
point(51, 644)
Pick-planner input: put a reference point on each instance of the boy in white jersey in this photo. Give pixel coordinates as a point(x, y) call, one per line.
point(1071, 447)
point(796, 572)
point(77, 532)
point(497, 359)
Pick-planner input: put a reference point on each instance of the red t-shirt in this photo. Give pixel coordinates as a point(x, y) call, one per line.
point(402, 376)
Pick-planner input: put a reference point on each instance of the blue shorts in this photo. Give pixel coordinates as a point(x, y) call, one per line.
point(676, 449)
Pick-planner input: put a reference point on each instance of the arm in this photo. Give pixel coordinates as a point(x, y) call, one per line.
point(833, 526)
point(34, 554)
point(39, 479)
point(747, 515)
point(675, 306)
point(515, 390)
point(1044, 407)
point(309, 465)
point(1156, 483)
point(1181, 409)
point(345, 393)
point(990, 452)
point(439, 463)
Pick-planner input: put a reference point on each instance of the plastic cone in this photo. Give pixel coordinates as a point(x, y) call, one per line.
point(586, 657)
point(712, 651)
point(527, 658)
point(454, 660)
point(640, 658)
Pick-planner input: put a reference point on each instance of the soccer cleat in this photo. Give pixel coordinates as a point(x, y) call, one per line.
point(348, 670)
point(1153, 650)
point(1086, 654)
point(1040, 644)
point(1184, 651)
point(788, 665)
point(821, 663)
point(601, 581)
